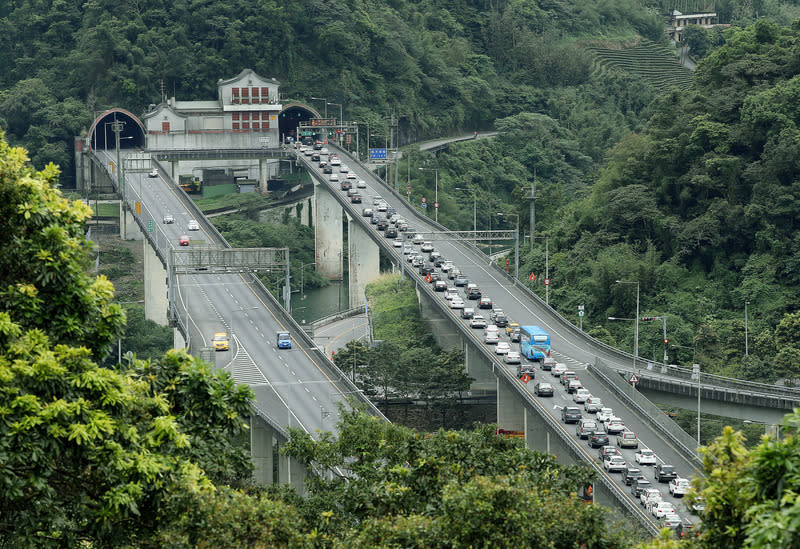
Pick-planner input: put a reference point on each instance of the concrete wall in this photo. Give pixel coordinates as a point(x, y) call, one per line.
point(328, 234)
point(156, 300)
point(364, 266)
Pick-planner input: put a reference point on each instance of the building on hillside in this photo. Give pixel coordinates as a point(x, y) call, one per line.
point(243, 116)
point(679, 21)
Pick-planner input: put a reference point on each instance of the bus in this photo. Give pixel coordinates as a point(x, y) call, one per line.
point(534, 342)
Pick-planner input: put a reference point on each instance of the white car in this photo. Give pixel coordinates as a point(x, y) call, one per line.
point(418, 239)
point(352, 175)
point(361, 183)
point(477, 321)
point(678, 487)
point(153, 173)
point(502, 348)
point(336, 162)
point(581, 395)
point(382, 207)
point(604, 414)
point(427, 247)
point(650, 495)
point(672, 520)
point(168, 219)
point(344, 169)
point(456, 303)
point(614, 463)
point(614, 426)
point(193, 225)
point(450, 293)
point(512, 357)
point(397, 243)
point(334, 177)
point(662, 508)
point(559, 369)
point(491, 338)
point(644, 456)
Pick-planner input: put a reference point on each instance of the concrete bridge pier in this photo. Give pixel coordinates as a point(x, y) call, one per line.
point(328, 233)
point(128, 229)
point(292, 472)
point(479, 369)
point(364, 263)
point(443, 329)
point(262, 451)
point(156, 299)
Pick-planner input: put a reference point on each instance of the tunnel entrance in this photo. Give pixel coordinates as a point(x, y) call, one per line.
point(102, 136)
point(291, 116)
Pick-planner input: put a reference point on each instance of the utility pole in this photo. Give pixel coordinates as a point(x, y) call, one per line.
point(532, 198)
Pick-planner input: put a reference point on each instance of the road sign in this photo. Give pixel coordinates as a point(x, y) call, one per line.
point(424, 205)
point(532, 277)
point(424, 200)
point(633, 379)
point(377, 154)
point(580, 313)
point(525, 378)
point(428, 278)
point(408, 189)
point(149, 225)
point(546, 281)
point(436, 205)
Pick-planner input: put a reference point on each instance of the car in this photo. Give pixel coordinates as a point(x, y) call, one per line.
point(650, 495)
point(427, 247)
point(698, 504)
point(580, 396)
point(664, 472)
point(283, 340)
point(609, 451)
point(567, 376)
point(491, 338)
point(390, 232)
point(193, 225)
point(461, 280)
point(571, 414)
point(440, 286)
point(220, 341)
point(495, 313)
point(614, 426)
point(593, 405)
point(638, 485)
point(324, 150)
point(447, 266)
point(451, 293)
point(515, 336)
point(382, 224)
point(585, 428)
point(467, 312)
point(473, 293)
point(456, 303)
point(645, 456)
point(361, 184)
point(598, 439)
point(512, 357)
point(502, 348)
point(352, 175)
point(335, 161)
point(614, 464)
point(168, 219)
point(678, 487)
point(485, 303)
point(672, 521)
point(333, 177)
point(511, 326)
point(397, 243)
point(559, 369)
point(603, 414)
point(630, 474)
point(627, 439)
point(662, 508)
point(501, 320)
point(382, 206)
point(543, 389)
point(477, 321)
point(525, 368)
point(343, 168)
point(153, 173)
point(183, 240)
point(327, 169)
point(367, 212)
point(574, 385)
point(547, 363)
point(355, 199)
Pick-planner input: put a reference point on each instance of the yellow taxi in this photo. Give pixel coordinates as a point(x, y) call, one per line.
point(511, 326)
point(220, 341)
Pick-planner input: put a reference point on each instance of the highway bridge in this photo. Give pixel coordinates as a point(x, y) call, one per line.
point(301, 388)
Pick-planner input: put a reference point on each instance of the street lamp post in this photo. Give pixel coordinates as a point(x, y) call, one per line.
point(474, 211)
point(546, 266)
point(302, 279)
point(636, 332)
point(436, 198)
point(516, 246)
point(325, 99)
point(746, 303)
point(339, 135)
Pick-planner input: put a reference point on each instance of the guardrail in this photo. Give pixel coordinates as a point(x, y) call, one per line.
point(501, 371)
point(320, 322)
point(679, 438)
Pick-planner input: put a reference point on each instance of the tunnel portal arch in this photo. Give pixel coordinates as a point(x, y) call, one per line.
point(132, 135)
point(292, 115)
